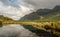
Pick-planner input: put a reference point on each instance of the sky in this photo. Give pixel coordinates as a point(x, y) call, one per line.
point(16, 9)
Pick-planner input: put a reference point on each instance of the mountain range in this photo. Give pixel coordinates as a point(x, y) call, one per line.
point(44, 15)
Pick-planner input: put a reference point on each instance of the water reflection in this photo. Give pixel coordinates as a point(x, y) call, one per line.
point(39, 32)
point(14, 30)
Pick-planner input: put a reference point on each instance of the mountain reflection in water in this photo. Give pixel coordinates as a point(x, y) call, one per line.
point(16, 30)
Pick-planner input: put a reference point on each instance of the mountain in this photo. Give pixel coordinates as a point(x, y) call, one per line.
point(3, 18)
point(44, 15)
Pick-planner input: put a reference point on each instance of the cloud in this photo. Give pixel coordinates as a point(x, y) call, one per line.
point(16, 9)
point(43, 3)
point(15, 31)
point(14, 3)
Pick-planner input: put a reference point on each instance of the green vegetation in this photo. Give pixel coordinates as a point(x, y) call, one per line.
point(2, 18)
point(42, 25)
point(44, 15)
point(43, 19)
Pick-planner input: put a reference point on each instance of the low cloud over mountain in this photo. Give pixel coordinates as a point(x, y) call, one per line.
point(16, 9)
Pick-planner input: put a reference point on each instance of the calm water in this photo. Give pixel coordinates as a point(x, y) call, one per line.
point(14, 30)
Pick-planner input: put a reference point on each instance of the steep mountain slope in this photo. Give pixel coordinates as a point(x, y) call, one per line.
point(44, 15)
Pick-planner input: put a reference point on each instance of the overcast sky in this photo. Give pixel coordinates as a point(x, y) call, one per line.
point(44, 3)
point(16, 9)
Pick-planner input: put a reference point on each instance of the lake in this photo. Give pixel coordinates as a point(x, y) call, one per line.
point(15, 30)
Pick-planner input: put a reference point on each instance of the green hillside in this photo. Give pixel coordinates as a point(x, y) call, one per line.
point(3, 18)
point(44, 15)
